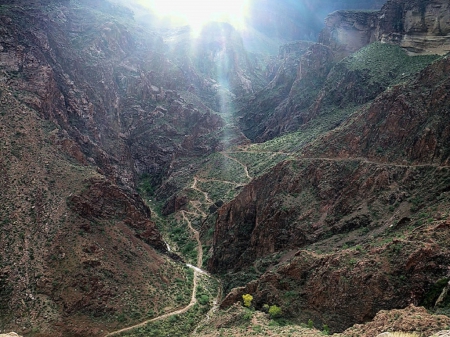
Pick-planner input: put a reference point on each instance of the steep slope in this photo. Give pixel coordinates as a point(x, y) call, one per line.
point(418, 27)
point(410, 119)
point(366, 184)
point(76, 247)
point(322, 87)
point(82, 90)
point(108, 84)
point(335, 222)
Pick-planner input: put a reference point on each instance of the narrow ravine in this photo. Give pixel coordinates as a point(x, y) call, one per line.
point(197, 271)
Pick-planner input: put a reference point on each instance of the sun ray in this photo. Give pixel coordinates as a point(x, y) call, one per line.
point(198, 12)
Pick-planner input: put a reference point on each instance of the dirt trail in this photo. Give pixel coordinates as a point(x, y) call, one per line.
point(197, 205)
point(194, 187)
point(257, 152)
point(173, 313)
point(217, 180)
point(362, 159)
point(197, 238)
point(367, 161)
point(225, 154)
point(193, 301)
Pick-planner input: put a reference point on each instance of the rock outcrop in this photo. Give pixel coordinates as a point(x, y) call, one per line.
point(411, 319)
point(88, 105)
point(353, 285)
point(410, 119)
point(370, 177)
point(419, 26)
point(348, 31)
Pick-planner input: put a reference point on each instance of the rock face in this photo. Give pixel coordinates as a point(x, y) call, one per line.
point(283, 72)
point(420, 27)
point(88, 105)
point(350, 286)
point(348, 31)
point(409, 319)
point(103, 200)
point(376, 173)
point(324, 88)
point(305, 201)
point(409, 119)
point(302, 20)
point(108, 90)
point(289, 115)
point(80, 239)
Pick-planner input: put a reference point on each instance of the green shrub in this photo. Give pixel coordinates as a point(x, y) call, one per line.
point(275, 311)
point(248, 315)
point(203, 300)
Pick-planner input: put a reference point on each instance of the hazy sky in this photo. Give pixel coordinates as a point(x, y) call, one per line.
point(283, 19)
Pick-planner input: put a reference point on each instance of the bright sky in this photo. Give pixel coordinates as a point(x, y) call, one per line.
point(198, 12)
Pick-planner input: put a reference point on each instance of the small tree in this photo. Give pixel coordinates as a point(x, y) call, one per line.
point(247, 298)
point(275, 311)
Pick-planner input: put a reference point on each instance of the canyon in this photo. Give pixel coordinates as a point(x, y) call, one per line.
point(316, 179)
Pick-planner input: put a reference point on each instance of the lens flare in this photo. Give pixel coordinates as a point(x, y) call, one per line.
point(198, 12)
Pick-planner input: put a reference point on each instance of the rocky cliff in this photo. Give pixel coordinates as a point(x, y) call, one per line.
point(89, 103)
point(75, 244)
point(365, 181)
point(326, 89)
point(420, 27)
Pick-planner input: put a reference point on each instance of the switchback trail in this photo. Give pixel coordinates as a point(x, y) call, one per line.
point(225, 154)
point(194, 187)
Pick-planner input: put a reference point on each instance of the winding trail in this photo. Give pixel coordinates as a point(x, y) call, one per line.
point(197, 270)
point(197, 238)
point(361, 159)
point(367, 161)
point(194, 187)
point(225, 154)
point(173, 313)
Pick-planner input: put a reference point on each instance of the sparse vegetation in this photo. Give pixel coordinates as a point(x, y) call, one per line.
point(275, 311)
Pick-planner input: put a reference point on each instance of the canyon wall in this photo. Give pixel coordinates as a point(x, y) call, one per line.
point(419, 26)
